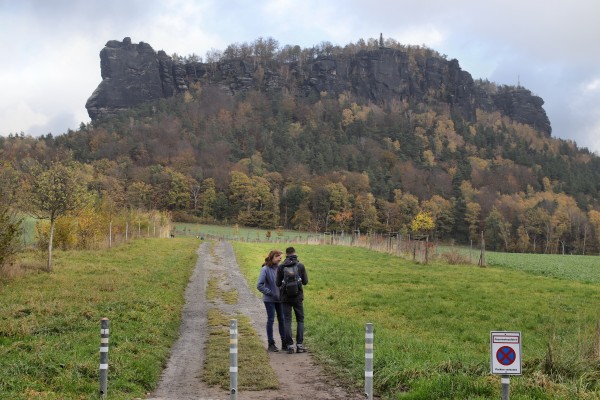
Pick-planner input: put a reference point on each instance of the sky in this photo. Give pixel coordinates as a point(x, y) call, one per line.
point(51, 65)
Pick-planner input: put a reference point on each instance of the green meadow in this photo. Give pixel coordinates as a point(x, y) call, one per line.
point(432, 323)
point(570, 267)
point(50, 323)
point(238, 233)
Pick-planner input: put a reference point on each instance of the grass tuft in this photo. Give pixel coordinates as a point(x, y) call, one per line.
point(255, 373)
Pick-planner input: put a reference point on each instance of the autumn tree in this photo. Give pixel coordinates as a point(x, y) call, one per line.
point(340, 208)
point(55, 191)
point(170, 188)
point(422, 223)
point(472, 218)
point(138, 195)
point(253, 201)
point(404, 209)
point(594, 217)
point(112, 200)
point(293, 196)
point(320, 206)
point(10, 233)
point(365, 212)
point(208, 196)
point(442, 213)
point(195, 190)
point(497, 231)
point(535, 222)
point(10, 224)
point(241, 193)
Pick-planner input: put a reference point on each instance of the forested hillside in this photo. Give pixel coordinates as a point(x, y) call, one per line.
point(337, 162)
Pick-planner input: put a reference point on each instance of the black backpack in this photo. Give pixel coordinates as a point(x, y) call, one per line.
point(291, 281)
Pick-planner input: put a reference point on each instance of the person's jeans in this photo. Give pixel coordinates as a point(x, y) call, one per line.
point(298, 308)
point(272, 310)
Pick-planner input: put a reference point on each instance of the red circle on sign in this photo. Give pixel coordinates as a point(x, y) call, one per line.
point(506, 355)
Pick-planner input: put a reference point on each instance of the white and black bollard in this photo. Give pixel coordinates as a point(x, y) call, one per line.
point(233, 358)
point(369, 362)
point(104, 331)
point(505, 380)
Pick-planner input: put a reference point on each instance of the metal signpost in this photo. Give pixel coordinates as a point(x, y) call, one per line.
point(505, 356)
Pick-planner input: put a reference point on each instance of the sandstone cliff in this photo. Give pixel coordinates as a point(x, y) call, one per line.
point(135, 73)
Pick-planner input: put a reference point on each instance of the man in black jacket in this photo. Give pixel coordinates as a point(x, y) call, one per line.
point(290, 300)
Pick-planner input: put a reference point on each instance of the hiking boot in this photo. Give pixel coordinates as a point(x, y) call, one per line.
point(273, 348)
point(290, 349)
point(300, 349)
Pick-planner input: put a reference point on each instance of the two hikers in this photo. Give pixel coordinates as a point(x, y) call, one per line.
point(290, 277)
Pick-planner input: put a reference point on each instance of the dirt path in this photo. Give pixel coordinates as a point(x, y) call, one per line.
point(182, 378)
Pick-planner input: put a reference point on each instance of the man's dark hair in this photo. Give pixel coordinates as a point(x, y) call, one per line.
point(289, 251)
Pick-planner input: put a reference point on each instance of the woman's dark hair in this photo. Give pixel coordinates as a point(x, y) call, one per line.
point(272, 254)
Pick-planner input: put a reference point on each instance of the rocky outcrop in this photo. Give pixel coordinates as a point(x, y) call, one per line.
point(135, 73)
point(522, 106)
point(130, 76)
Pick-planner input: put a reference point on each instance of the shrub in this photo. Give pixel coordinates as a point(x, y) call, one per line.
point(454, 257)
point(10, 233)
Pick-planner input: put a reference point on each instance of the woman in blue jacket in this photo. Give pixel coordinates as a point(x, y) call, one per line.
point(268, 287)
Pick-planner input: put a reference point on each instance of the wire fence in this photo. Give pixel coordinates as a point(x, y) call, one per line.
point(418, 248)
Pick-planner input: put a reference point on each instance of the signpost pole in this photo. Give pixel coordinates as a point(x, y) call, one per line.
point(505, 387)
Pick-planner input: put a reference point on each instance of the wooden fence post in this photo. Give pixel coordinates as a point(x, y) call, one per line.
point(481, 262)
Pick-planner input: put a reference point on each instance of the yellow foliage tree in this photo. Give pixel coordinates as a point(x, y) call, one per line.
point(422, 223)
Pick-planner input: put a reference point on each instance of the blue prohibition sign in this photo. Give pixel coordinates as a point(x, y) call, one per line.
point(506, 355)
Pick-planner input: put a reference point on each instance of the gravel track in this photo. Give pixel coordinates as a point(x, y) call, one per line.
point(298, 374)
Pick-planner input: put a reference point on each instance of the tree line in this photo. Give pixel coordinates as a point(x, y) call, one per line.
point(330, 162)
point(262, 50)
point(74, 209)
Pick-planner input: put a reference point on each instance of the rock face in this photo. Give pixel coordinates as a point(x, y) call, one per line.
point(135, 73)
point(129, 76)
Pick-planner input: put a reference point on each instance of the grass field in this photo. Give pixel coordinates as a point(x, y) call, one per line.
point(433, 322)
point(239, 233)
point(571, 267)
point(50, 323)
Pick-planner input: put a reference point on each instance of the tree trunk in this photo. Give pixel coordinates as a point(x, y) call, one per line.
point(49, 265)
